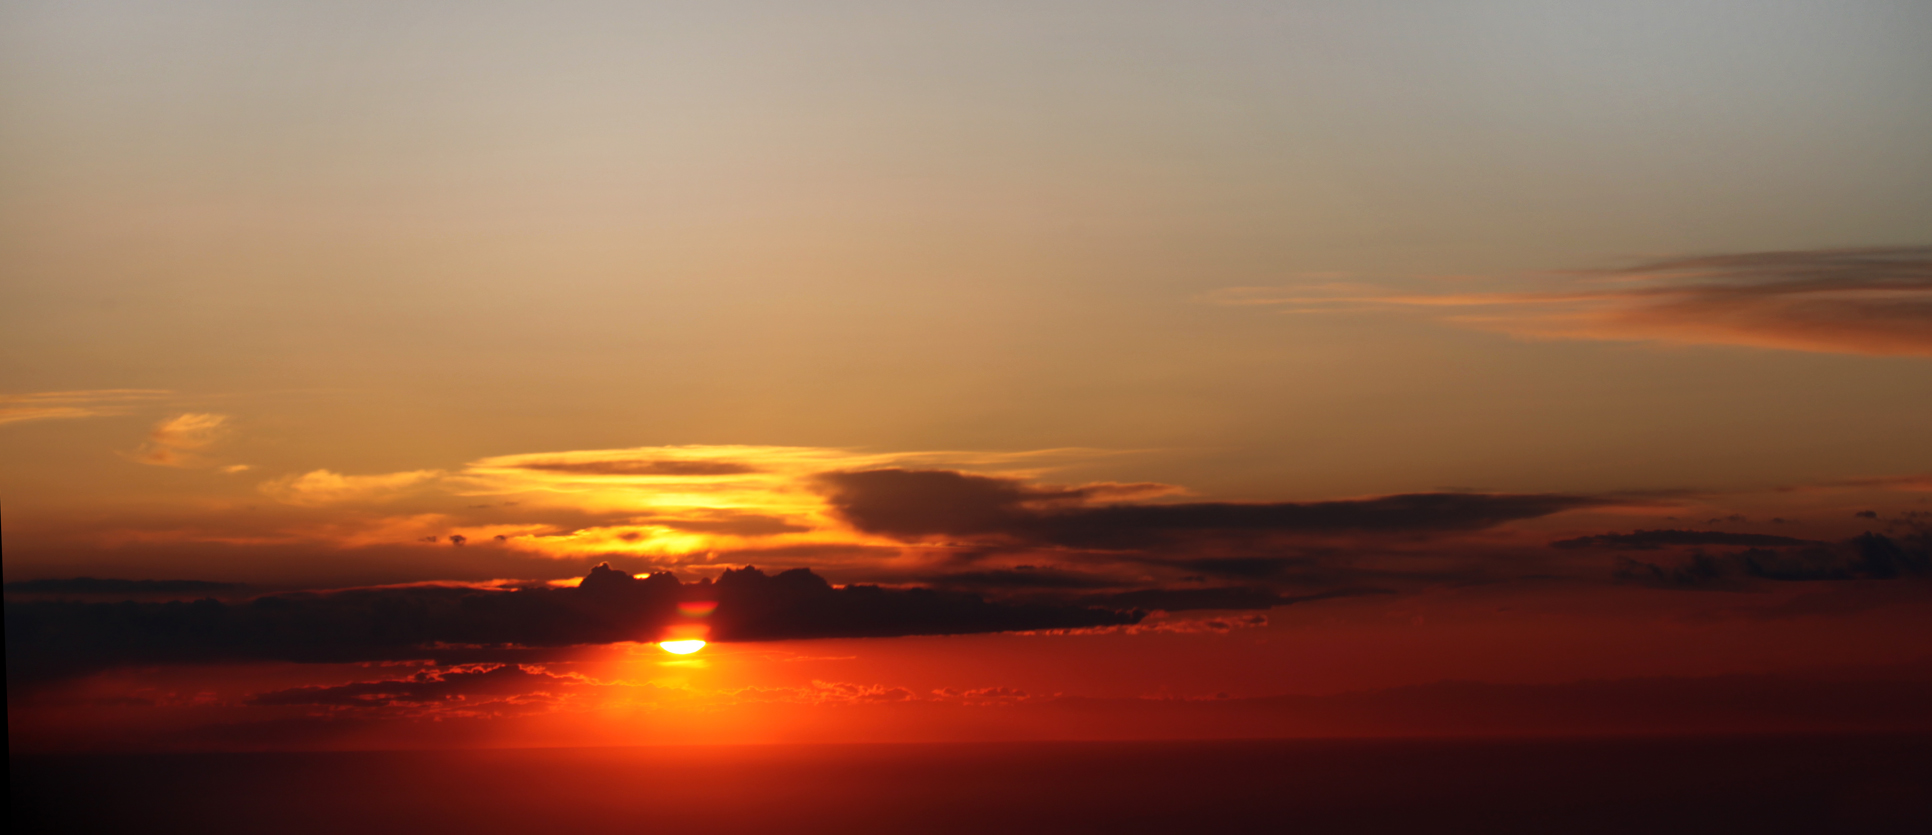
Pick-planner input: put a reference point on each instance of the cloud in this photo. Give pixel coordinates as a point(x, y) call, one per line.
point(92, 587)
point(1653, 540)
point(1867, 556)
point(1222, 597)
point(913, 504)
point(57, 405)
point(485, 689)
point(323, 487)
point(1028, 578)
point(669, 502)
point(1873, 301)
point(47, 639)
point(656, 467)
point(1911, 483)
point(823, 693)
point(675, 506)
point(179, 440)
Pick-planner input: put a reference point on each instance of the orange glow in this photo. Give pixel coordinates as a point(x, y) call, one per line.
point(697, 608)
point(681, 647)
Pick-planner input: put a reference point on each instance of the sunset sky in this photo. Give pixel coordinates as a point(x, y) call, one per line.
point(1117, 370)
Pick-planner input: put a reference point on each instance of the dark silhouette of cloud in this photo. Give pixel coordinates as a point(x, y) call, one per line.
point(1020, 579)
point(1867, 556)
point(1653, 540)
point(429, 687)
point(1252, 568)
point(54, 638)
point(1220, 597)
point(914, 504)
point(93, 587)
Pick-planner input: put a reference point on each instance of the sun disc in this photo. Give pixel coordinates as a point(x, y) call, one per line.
point(681, 647)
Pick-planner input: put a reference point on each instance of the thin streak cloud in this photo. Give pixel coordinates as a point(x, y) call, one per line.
point(60, 405)
point(1873, 301)
point(323, 487)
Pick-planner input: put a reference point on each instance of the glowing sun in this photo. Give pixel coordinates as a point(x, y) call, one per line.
point(681, 647)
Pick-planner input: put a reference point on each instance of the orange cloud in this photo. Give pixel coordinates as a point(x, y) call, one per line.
point(56, 405)
point(323, 487)
point(1849, 301)
point(682, 500)
point(179, 440)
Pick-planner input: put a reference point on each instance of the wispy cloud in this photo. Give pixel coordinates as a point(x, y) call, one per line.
point(1875, 301)
point(323, 487)
point(985, 522)
point(58, 405)
point(180, 441)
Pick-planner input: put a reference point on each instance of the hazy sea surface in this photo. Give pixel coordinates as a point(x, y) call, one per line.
point(1808, 784)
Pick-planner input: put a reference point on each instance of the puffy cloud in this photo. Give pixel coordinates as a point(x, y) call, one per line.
point(1875, 301)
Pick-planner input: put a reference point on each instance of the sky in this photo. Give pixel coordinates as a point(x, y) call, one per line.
point(989, 370)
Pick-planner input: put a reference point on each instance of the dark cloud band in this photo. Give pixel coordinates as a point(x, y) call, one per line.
point(54, 638)
point(913, 504)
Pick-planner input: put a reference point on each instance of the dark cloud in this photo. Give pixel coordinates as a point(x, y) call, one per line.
point(656, 467)
point(93, 587)
point(912, 504)
point(1653, 540)
point(1865, 557)
point(504, 681)
point(1020, 579)
point(1253, 568)
point(1222, 597)
point(54, 638)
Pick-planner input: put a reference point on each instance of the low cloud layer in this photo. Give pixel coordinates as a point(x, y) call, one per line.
point(919, 543)
point(1868, 556)
point(54, 638)
point(917, 518)
point(1875, 301)
point(479, 690)
point(91, 587)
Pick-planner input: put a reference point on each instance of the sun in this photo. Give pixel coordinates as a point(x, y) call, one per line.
point(681, 647)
